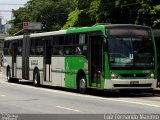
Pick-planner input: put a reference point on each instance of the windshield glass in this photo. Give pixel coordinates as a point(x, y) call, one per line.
point(130, 51)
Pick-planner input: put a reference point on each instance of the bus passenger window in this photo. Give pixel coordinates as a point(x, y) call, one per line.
point(57, 51)
point(41, 50)
point(78, 51)
point(19, 47)
point(32, 51)
point(85, 51)
point(6, 46)
point(9, 51)
point(19, 51)
point(67, 51)
point(54, 51)
point(60, 52)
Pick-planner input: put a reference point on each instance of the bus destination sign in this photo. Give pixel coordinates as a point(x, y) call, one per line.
point(32, 25)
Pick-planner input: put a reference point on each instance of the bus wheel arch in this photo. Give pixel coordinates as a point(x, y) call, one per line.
point(81, 82)
point(36, 77)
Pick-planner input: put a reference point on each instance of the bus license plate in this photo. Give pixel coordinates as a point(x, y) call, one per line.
point(134, 82)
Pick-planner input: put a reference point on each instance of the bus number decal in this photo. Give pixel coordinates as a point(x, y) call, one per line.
point(34, 62)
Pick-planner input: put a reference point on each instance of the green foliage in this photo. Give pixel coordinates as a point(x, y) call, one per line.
point(72, 19)
point(53, 12)
point(94, 10)
point(62, 14)
point(149, 13)
point(79, 16)
point(156, 13)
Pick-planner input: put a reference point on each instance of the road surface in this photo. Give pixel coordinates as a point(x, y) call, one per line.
point(23, 98)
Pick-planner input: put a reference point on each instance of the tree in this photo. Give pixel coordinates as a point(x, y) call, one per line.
point(79, 16)
point(53, 13)
point(19, 16)
point(149, 13)
point(62, 14)
point(118, 11)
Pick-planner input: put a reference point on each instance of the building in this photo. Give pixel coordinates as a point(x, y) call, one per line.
point(2, 27)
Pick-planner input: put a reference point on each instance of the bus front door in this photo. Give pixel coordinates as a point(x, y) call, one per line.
point(47, 62)
point(95, 59)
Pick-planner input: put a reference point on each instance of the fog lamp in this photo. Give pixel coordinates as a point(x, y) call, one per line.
point(113, 76)
point(152, 75)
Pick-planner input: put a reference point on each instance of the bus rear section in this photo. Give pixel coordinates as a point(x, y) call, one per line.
point(131, 58)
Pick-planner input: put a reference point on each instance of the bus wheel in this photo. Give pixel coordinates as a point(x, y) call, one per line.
point(36, 79)
point(82, 85)
point(8, 75)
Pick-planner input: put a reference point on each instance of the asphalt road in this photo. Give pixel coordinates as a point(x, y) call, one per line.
point(23, 98)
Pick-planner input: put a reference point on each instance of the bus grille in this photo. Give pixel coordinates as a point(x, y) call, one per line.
point(133, 85)
point(133, 75)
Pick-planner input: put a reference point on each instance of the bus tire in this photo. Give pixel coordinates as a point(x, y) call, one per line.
point(82, 85)
point(36, 78)
point(8, 74)
point(16, 80)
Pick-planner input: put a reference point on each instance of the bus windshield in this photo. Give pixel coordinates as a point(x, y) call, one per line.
point(131, 51)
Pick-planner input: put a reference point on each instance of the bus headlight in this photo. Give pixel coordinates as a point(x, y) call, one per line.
point(114, 76)
point(152, 75)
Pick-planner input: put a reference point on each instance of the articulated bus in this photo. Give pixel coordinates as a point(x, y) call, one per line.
point(104, 57)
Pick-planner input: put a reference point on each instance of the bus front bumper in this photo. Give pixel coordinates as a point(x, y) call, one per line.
point(130, 84)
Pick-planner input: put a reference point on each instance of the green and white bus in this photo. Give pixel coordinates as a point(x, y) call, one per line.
point(108, 56)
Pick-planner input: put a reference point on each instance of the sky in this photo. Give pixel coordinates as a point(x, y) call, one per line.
point(8, 5)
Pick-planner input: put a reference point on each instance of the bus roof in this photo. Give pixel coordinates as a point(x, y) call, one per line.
point(101, 27)
point(71, 30)
point(85, 29)
point(127, 25)
point(60, 32)
point(14, 37)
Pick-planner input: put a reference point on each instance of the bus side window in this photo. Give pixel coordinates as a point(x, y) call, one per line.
point(41, 50)
point(85, 50)
point(67, 51)
point(32, 49)
point(82, 48)
point(78, 51)
point(6, 45)
point(36, 46)
point(57, 43)
point(19, 50)
point(10, 49)
point(60, 52)
point(57, 51)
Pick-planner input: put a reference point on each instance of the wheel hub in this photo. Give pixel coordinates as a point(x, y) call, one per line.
point(82, 83)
